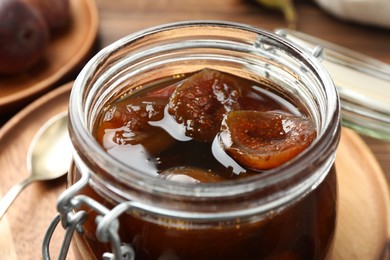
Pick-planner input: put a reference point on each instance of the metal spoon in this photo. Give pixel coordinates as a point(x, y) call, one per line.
point(48, 157)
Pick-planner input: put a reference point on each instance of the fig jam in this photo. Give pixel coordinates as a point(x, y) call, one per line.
point(205, 127)
point(212, 127)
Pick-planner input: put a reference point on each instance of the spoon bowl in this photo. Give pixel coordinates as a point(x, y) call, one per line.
point(48, 157)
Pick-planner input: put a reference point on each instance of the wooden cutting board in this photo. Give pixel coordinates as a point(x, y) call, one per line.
point(363, 229)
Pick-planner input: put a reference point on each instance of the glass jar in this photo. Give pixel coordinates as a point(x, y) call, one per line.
point(285, 213)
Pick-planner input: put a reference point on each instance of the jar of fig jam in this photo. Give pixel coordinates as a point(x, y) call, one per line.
point(202, 140)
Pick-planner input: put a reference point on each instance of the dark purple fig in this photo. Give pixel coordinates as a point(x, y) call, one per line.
point(55, 12)
point(24, 36)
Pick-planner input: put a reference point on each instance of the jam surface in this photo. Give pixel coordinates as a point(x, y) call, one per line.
point(205, 127)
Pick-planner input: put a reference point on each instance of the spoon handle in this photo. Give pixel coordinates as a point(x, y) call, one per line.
point(11, 195)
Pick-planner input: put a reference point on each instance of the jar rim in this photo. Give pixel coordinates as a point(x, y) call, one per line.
point(363, 108)
point(78, 119)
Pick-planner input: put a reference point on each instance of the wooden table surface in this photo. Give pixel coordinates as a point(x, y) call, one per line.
point(122, 17)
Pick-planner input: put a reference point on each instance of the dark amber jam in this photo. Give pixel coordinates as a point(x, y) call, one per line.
point(213, 127)
point(206, 127)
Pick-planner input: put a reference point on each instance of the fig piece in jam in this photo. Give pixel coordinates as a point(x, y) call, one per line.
point(168, 128)
point(127, 129)
point(190, 175)
point(201, 101)
point(131, 120)
point(255, 126)
point(265, 140)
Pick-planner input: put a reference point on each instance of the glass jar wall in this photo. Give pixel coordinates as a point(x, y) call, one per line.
point(284, 213)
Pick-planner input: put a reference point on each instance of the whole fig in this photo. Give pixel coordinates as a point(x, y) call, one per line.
point(55, 12)
point(24, 36)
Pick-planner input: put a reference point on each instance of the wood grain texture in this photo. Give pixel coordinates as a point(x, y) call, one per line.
point(363, 224)
point(67, 51)
point(363, 228)
point(124, 17)
point(23, 226)
point(364, 206)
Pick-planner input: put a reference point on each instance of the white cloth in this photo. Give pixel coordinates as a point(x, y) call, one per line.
point(374, 12)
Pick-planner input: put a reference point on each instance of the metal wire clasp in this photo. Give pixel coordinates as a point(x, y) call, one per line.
point(315, 50)
point(72, 219)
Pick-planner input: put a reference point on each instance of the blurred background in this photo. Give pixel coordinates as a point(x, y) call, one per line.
point(121, 17)
point(359, 25)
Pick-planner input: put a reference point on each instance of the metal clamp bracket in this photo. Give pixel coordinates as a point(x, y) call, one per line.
point(72, 220)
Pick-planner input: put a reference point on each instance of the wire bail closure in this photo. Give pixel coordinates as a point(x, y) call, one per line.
point(72, 220)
